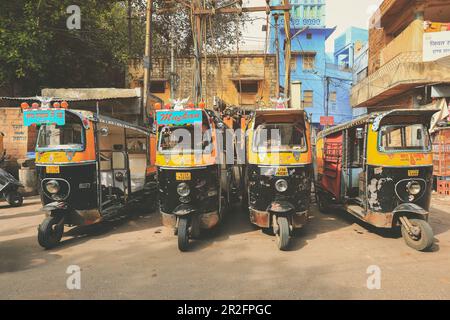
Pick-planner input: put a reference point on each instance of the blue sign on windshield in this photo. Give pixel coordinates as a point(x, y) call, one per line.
point(178, 117)
point(44, 116)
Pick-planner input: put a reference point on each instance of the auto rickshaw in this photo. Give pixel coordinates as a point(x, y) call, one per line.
point(193, 177)
point(379, 168)
point(90, 167)
point(278, 173)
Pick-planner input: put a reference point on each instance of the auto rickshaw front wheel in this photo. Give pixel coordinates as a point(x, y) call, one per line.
point(183, 234)
point(282, 233)
point(50, 232)
point(420, 236)
point(14, 199)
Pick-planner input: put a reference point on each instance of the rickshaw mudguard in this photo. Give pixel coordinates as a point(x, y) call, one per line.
point(184, 210)
point(410, 209)
point(57, 205)
point(281, 207)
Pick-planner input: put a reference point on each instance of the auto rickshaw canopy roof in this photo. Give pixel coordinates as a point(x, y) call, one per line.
point(281, 115)
point(379, 118)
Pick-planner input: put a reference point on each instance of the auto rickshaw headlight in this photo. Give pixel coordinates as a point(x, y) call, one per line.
point(281, 185)
point(52, 186)
point(183, 189)
point(413, 187)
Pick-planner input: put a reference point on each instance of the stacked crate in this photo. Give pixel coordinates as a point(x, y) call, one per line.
point(441, 160)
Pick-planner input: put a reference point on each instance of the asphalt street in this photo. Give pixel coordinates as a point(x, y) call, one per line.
point(137, 258)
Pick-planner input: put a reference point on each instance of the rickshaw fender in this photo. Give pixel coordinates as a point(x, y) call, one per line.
point(281, 207)
point(55, 206)
point(183, 210)
point(410, 209)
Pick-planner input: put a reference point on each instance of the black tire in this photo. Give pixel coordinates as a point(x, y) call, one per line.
point(50, 232)
point(322, 203)
point(283, 233)
point(183, 234)
point(14, 198)
point(426, 239)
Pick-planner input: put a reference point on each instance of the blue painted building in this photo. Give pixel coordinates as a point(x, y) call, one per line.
point(325, 86)
point(348, 44)
point(360, 72)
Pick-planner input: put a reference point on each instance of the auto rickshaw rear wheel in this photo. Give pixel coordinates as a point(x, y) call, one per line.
point(14, 198)
point(282, 233)
point(183, 234)
point(50, 231)
point(421, 238)
point(322, 203)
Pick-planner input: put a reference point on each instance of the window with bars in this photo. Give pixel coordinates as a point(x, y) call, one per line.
point(308, 98)
point(309, 62)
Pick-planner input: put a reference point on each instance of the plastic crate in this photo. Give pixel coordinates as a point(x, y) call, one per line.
point(441, 153)
point(443, 185)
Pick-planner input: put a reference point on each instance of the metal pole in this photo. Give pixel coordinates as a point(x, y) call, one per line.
point(327, 79)
point(148, 55)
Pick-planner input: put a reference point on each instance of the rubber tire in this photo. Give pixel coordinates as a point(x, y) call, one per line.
point(14, 198)
point(283, 233)
point(183, 234)
point(427, 237)
point(48, 237)
point(322, 204)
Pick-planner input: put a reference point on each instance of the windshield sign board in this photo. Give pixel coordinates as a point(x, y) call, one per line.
point(178, 117)
point(44, 116)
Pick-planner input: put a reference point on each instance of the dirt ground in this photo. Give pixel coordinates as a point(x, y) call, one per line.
point(137, 258)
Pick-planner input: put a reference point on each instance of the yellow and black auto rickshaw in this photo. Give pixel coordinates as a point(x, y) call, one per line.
point(90, 167)
point(278, 174)
point(193, 176)
point(379, 168)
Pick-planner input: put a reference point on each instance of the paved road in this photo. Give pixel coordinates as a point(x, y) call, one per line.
point(138, 258)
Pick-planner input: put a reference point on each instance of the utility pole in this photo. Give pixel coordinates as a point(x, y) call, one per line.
point(148, 54)
point(199, 12)
point(172, 63)
point(130, 40)
point(277, 57)
point(287, 53)
point(198, 48)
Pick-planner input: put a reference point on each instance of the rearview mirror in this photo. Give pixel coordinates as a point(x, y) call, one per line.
point(104, 132)
point(359, 133)
point(419, 134)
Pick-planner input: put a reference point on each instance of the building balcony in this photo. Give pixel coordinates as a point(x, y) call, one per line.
point(403, 67)
point(401, 74)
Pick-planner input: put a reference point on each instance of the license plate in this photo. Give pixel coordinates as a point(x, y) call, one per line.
point(52, 169)
point(183, 176)
point(413, 173)
point(282, 172)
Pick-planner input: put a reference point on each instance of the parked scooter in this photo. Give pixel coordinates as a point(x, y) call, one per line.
point(9, 187)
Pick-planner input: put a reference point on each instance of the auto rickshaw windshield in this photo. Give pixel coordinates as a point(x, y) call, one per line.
point(279, 137)
point(185, 139)
point(407, 138)
point(70, 136)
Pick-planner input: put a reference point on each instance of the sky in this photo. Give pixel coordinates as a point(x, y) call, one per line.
point(340, 13)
